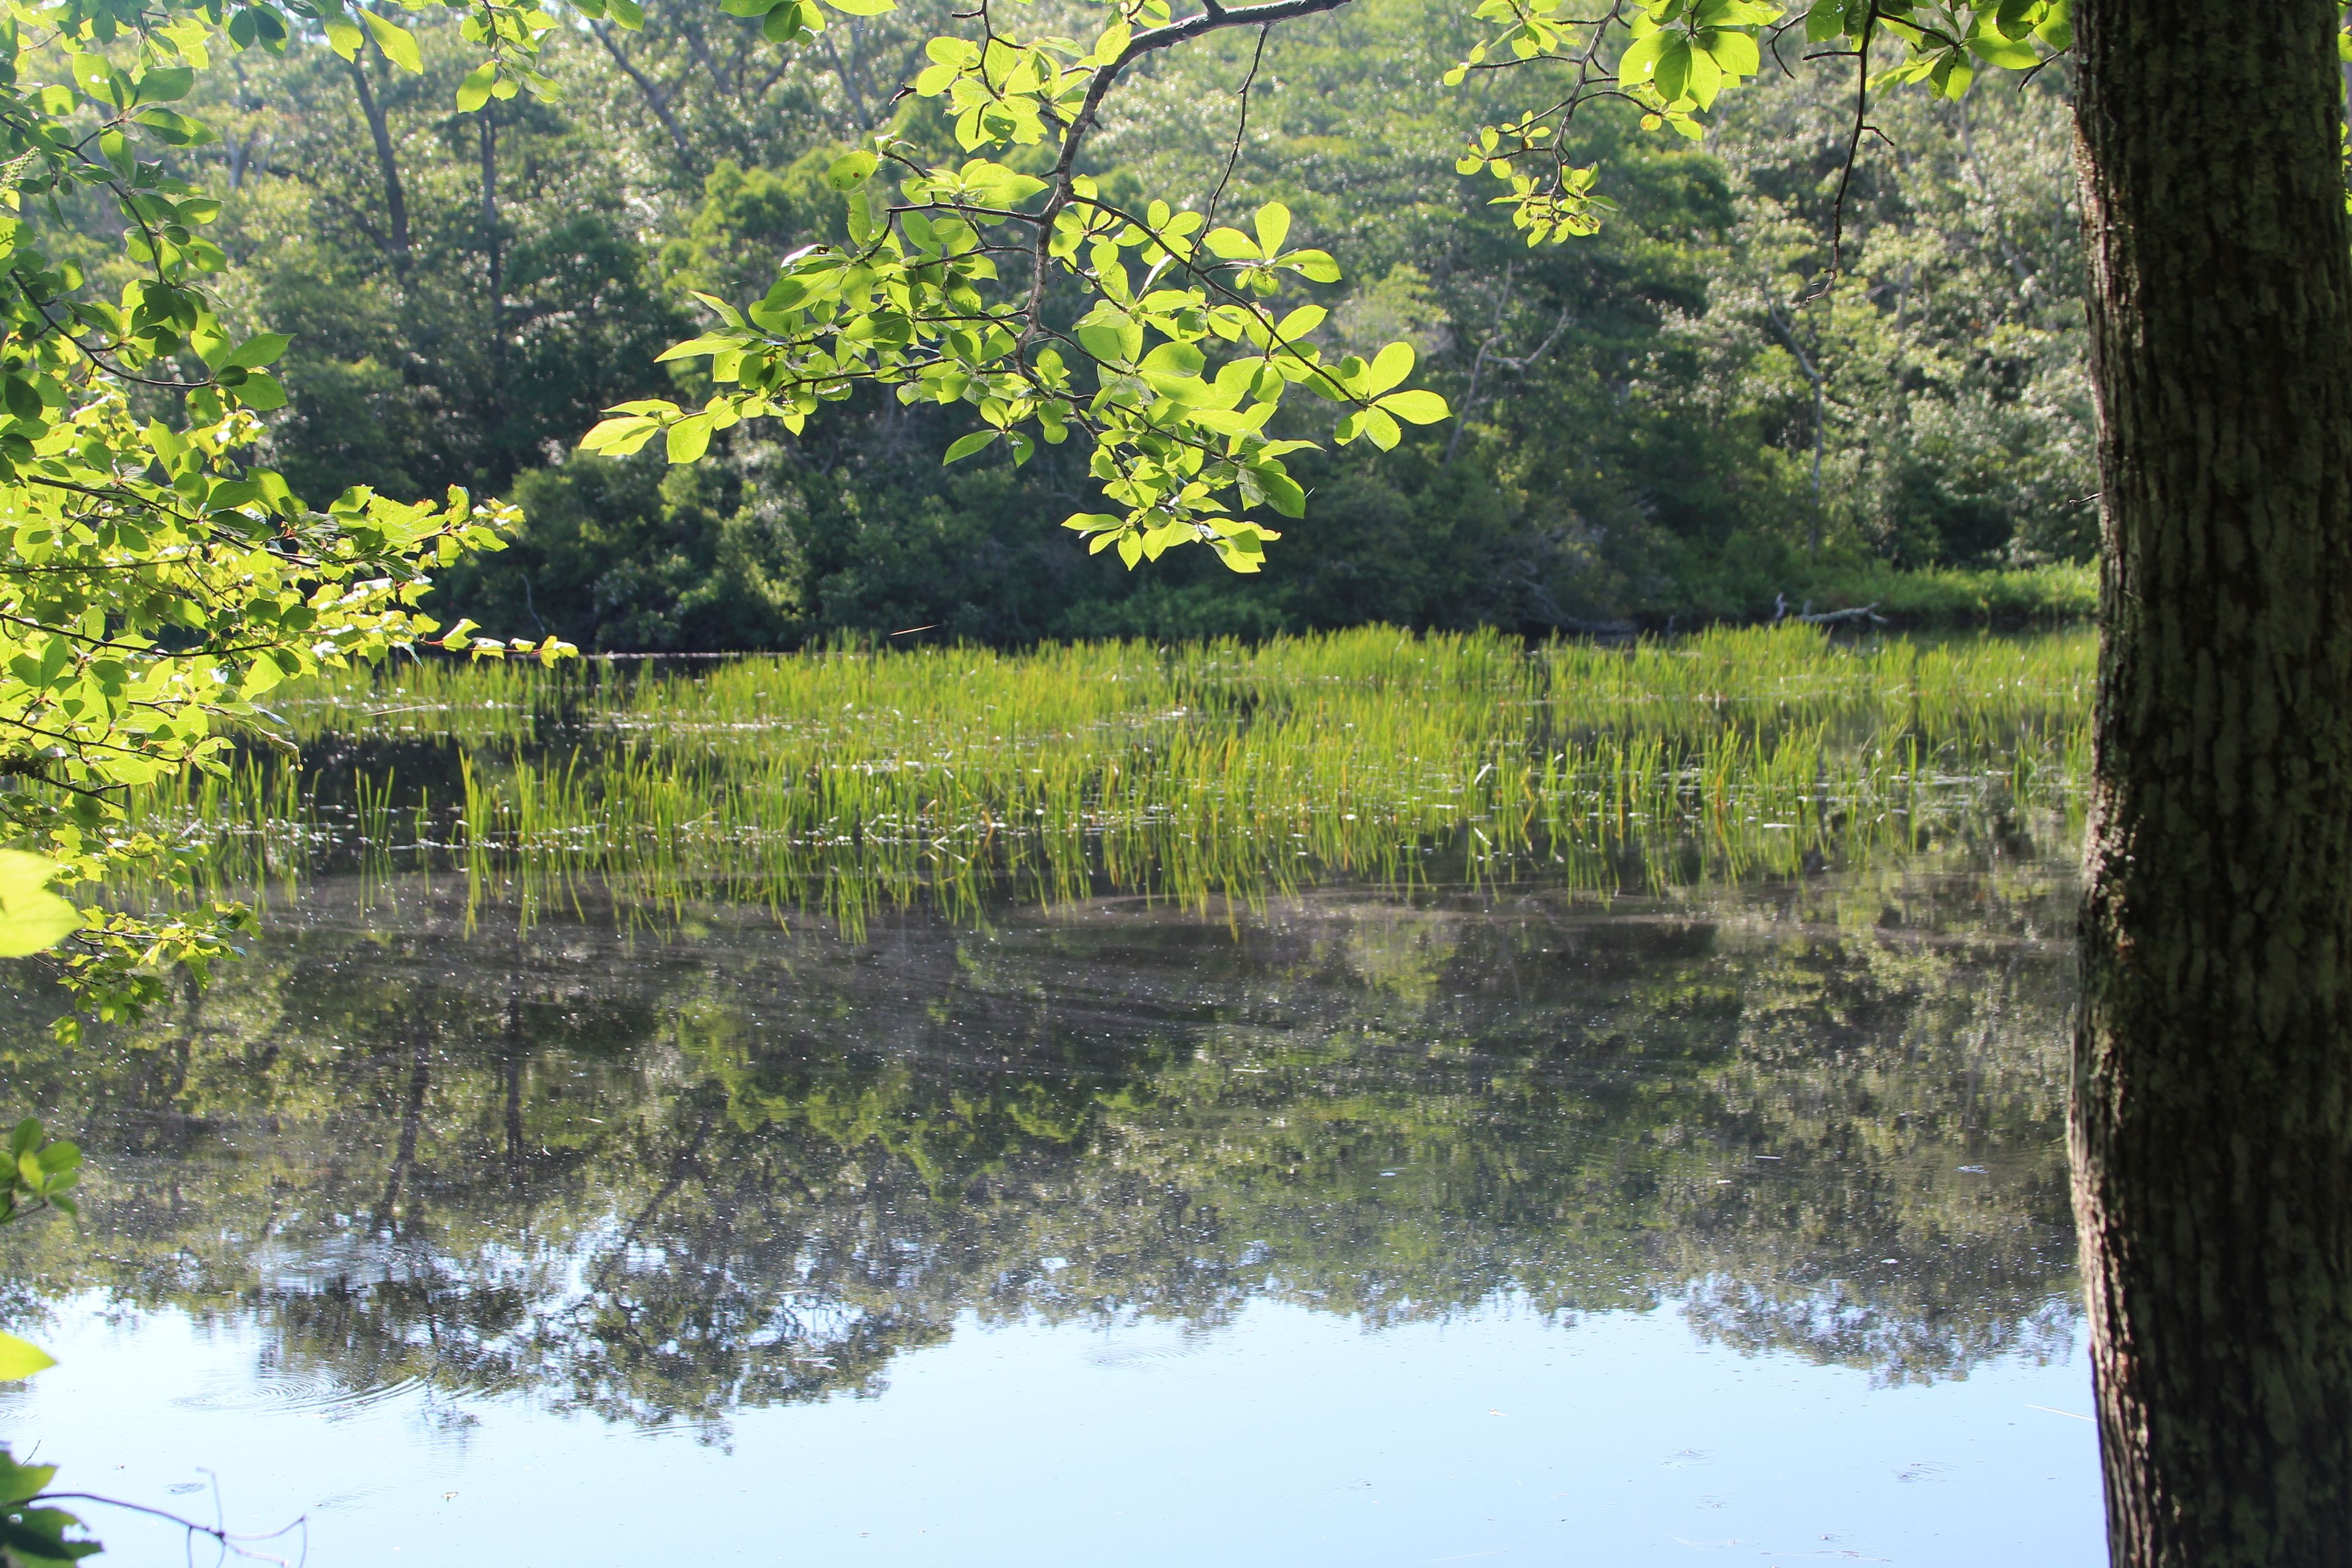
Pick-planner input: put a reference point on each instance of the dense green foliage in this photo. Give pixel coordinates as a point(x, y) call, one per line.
point(156, 580)
point(1639, 419)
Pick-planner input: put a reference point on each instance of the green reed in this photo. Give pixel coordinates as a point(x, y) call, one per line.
point(849, 782)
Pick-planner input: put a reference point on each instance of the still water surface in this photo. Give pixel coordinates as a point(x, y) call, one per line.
point(1500, 1225)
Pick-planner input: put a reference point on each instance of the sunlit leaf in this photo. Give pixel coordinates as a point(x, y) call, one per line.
point(20, 1358)
point(32, 918)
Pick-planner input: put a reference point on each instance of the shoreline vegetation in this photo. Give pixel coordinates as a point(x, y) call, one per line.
point(1867, 595)
point(845, 783)
point(1934, 598)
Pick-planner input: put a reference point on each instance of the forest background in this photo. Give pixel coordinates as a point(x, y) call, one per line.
point(1653, 426)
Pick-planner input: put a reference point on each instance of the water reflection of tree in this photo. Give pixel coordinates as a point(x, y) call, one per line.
point(662, 1181)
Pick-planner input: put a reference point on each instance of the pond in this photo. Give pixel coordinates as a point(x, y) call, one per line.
point(1653, 1194)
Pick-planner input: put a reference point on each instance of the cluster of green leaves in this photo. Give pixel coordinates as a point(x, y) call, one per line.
point(30, 1534)
point(39, 1173)
point(155, 582)
point(1943, 45)
point(506, 36)
point(1673, 59)
point(1177, 354)
point(780, 21)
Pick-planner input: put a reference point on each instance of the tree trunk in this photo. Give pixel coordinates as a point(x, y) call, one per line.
point(492, 254)
point(396, 200)
point(2213, 1112)
point(656, 100)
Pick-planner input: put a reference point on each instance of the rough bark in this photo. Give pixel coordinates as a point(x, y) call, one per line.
point(2213, 1116)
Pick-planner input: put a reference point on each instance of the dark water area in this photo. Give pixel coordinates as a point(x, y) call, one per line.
point(1354, 1226)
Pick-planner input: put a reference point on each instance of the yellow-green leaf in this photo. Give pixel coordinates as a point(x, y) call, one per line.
point(1389, 366)
point(398, 43)
point(688, 439)
point(475, 91)
point(32, 918)
point(19, 1359)
point(1416, 407)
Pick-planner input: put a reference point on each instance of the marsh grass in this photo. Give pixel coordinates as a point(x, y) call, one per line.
point(849, 782)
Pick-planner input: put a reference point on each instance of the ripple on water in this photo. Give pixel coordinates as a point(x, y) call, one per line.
point(313, 1393)
point(1137, 1358)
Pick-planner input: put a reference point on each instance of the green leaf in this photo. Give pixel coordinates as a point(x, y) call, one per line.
point(620, 437)
point(1231, 422)
point(166, 85)
point(398, 43)
point(696, 348)
point(1233, 245)
point(36, 1538)
point(19, 1359)
point(1416, 407)
point(1273, 227)
point(1639, 63)
point(1300, 323)
point(851, 169)
point(475, 91)
point(1278, 490)
point(166, 443)
point(261, 392)
point(965, 446)
point(862, 7)
point(1995, 50)
point(174, 128)
point(1734, 53)
point(1315, 266)
point(1676, 61)
point(1113, 342)
point(32, 918)
point(18, 1482)
point(689, 438)
point(344, 37)
point(261, 348)
point(1389, 367)
point(2057, 30)
point(1174, 359)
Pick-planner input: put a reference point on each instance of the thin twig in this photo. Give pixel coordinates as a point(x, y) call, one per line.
point(1240, 127)
point(1853, 151)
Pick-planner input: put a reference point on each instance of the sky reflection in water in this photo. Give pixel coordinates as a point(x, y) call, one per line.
point(1497, 1228)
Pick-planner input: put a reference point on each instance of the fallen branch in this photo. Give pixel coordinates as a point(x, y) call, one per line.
point(1827, 617)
